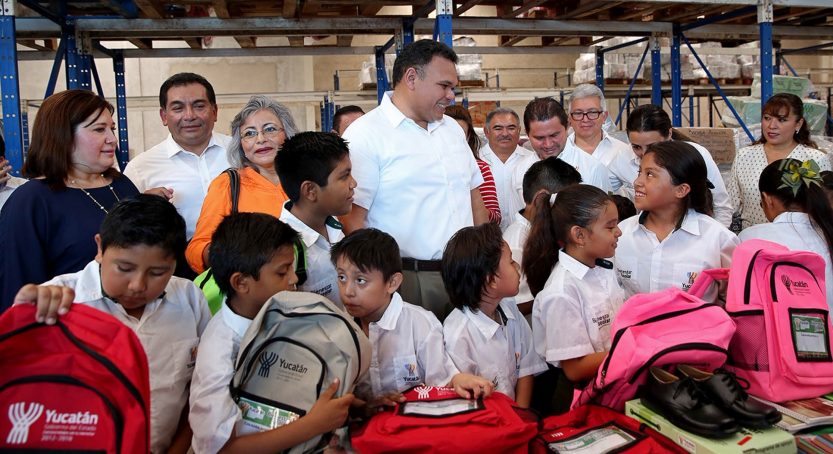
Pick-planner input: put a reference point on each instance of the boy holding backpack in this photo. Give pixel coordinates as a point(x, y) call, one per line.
point(132, 279)
point(252, 255)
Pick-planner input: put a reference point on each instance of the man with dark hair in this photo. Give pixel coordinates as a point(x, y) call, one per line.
point(183, 165)
point(417, 178)
point(546, 125)
point(344, 117)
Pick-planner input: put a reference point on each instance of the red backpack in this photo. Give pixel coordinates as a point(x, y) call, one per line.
point(600, 429)
point(80, 384)
point(423, 424)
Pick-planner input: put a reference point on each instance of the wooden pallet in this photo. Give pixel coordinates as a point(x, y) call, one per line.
point(369, 86)
point(725, 81)
point(472, 83)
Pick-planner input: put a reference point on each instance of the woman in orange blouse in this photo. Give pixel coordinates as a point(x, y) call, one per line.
point(258, 132)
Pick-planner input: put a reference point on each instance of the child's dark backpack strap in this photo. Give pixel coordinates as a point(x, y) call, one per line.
point(234, 188)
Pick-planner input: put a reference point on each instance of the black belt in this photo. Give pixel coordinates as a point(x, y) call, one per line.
point(409, 264)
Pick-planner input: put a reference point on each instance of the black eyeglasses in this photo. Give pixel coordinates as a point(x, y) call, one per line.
point(591, 114)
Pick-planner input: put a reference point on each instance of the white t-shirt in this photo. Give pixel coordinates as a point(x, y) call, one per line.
point(798, 232)
point(502, 172)
point(572, 315)
point(515, 236)
point(746, 173)
point(628, 166)
point(321, 274)
point(592, 171)
point(408, 350)
point(607, 151)
point(169, 330)
point(502, 353)
point(646, 265)
point(11, 185)
point(415, 183)
point(169, 165)
point(213, 413)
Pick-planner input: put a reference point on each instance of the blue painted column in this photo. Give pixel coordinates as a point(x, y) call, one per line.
point(77, 59)
point(765, 26)
point(10, 87)
point(381, 74)
point(676, 79)
point(442, 25)
point(600, 69)
point(121, 107)
point(656, 72)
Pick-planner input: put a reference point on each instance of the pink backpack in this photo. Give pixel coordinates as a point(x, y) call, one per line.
point(658, 329)
point(777, 299)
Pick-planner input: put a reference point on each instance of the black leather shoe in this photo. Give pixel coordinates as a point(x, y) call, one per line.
point(684, 405)
point(723, 389)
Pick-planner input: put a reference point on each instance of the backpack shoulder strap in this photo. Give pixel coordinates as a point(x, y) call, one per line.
point(234, 188)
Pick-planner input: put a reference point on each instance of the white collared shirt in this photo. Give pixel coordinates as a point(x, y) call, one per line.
point(799, 233)
point(169, 330)
point(628, 166)
point(646, 265)
point(214, 413)
point(189, 175)
point(11, 185)
point(415, 183)
point(572, 315)
point(509, 201)
point(592, 171)
point(746, 172)
point(502, 353)
point(408, 350)
point(607, 151)
point(515, 236)
point(321, 274)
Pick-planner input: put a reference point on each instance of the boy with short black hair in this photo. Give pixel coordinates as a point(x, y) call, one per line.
point(406, 339)
point(486, 334)
point(315, 172)
point(546, 176)
point(131, 279)
point(252, 255)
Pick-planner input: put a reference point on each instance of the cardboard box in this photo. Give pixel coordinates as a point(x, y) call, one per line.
point(746, 441)
point(719, 141)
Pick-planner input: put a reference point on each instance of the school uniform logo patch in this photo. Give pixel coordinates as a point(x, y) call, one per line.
point(411, 375)
point(691, 276)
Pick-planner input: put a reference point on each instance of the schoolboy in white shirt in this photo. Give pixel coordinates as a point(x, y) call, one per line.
point(407, 340)
point(486, 334)
point(131, 279)
point(315, 172)
point(545, 177)
point(252, 255)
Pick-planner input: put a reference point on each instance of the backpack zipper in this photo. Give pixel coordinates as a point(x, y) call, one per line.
point(655, 318)
point(747, 286)
point(118, 418)
point(772, 277)
point(680, 347)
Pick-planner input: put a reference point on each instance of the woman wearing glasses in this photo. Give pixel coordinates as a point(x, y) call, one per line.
point(258, 132)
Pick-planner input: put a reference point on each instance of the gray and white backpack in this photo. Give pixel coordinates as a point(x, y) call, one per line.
point(296, 346)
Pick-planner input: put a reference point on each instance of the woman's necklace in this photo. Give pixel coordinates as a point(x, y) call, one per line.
point(109, 185)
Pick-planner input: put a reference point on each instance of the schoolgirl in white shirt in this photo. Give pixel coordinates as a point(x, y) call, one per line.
point(799, 213)
point(577, 300)
point(674, 237)
point(486, 334)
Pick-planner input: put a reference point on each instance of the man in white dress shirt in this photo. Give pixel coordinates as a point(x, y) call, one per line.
point(183, 165)
point(416, 176)
point(502, 152)
point(588, 113)
point(546, 125)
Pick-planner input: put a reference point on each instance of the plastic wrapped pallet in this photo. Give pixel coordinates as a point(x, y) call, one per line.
point(367, 75)
point(749, 109)
point(611, 71)
point(799, 86)
point(585, 61)
point(719, 70)
point(469, 66)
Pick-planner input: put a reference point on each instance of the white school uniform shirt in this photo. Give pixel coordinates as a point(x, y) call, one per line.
point(592, 171)
point(214, 414)
point(515, 236)
point(628, 165)
point(746, 172)
point(11, 185)
point(799, 233)
point(415, 183)
point(169, 165)
point(645, 265)
point(499, 352)
point(321, 274)
point(509, 201)
point(407, 350)
point(572, 315)
point(607, 151)
point(169, 330)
